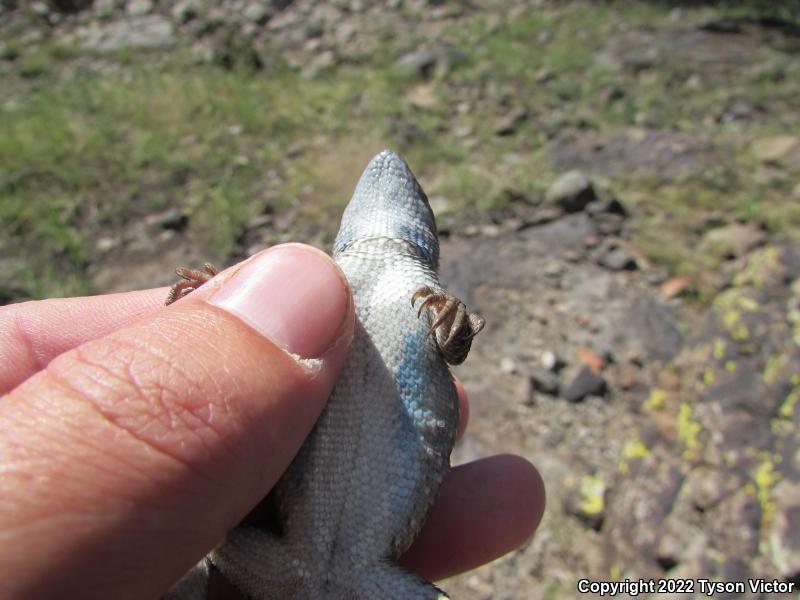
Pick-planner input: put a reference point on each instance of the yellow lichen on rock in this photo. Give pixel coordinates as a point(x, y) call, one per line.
point(593, 491)
point(766, 477)
point(688, 431)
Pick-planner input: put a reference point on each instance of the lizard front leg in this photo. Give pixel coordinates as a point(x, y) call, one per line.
point(190, 280)
point(453, 325)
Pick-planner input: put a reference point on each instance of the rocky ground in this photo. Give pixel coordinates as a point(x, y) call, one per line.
point(629, 232)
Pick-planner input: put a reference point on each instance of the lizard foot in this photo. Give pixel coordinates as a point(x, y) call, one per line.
point(190, 280)
point(453, 326)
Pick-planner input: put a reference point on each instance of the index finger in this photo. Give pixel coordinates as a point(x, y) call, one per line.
point(34, 333)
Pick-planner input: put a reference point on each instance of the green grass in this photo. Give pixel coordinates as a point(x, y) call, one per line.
point(103, 151)
point(83, 153)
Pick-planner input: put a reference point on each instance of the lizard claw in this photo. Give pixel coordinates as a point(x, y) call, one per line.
point(190, 280)
point(453, 326)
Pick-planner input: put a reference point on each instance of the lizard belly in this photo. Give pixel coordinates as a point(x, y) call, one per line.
point(369, 471)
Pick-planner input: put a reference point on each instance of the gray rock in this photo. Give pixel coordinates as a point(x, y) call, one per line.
point(785, 542)
point(106, 8)
point(651, 330)
point(508, 366)
point(184, 11)
point(615, 257)
point(40, 8)
point(584, 383)
point(544, 381)
point(732, 241)
point(173, 220)
point(650, 152)
point(139, 8)
point(573, 191)
point(611, 207)
point(775, 149)
point(541, 215)
point(258, 12)
point(106, 244)
point(510, 122)
point(619, 259)
point(608, 224)
point(151, 31)
point(259, 221)
point(424, 63)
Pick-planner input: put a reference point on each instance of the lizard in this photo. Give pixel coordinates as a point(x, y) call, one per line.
point(357, 493)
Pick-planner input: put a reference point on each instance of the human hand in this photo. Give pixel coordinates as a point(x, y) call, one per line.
point(132, 437)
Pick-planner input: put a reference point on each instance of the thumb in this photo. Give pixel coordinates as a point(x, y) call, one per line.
point(129, 457)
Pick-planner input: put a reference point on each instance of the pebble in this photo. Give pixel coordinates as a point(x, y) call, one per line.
point(573, 191)
point(551, 361)
point(507, 365)
point(544, 381)
point(584, 383)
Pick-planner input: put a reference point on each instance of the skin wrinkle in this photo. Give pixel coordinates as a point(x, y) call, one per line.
point(68, 462)
point(20, 334)
point(142, 471)
point(127, 502)
point(186, 380)
point(223, 391)
point(200, 367)
point(35, 351)
point(49, 523)
point(77, 396)
point(130, 422)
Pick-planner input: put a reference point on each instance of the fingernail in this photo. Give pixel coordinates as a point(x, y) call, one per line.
point(292, 294)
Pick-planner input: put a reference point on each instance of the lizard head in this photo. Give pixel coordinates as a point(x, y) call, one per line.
point(389, 203)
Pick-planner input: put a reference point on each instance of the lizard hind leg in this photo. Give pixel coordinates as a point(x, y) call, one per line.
point(261, 566)
point(193, 585)
point(386, 581)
